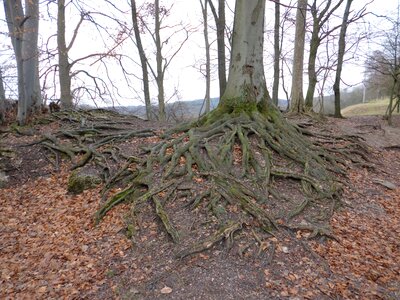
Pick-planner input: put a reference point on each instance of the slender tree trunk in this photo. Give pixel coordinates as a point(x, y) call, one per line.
point(2, 99)
point(297, 97)
point(221, 46)
point(159, 60)
point(204, 9)
point(341, 52)
point(63, 63)
point(277, 53)
point(30, 56)
point(143, 60)
point(312, 74)
point(220, 23)
point(246, 86)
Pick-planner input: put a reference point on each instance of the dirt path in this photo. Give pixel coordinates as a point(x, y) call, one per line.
point(51, 250)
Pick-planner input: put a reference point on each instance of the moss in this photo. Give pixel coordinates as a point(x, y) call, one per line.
point(80, 181)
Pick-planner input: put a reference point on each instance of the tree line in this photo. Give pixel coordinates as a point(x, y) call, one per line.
point(308, 38)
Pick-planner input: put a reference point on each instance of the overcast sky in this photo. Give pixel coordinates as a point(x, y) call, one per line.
point(183, 73)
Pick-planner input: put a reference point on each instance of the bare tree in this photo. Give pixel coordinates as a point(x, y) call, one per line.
point(64, 66)
point(2, 99)
point(387, 63)
point(341, 52)
point(160, 74)
point(277, 52)
point(297, 97)
point(143, 59)
point(162, 60)
point(220, 22)
point(320, 16)
point(79, 77)
point(204, 9)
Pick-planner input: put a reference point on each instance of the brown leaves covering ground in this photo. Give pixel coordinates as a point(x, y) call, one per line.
point(51, 250)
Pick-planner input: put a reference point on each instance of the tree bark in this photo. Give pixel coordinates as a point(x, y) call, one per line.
point(64, 66)
point(297, 97)
point(312, 74)
point(15, 16)
point(277, 53)
point(30, 56)
point(143, 60)
point(341, 52)
point(246, 87)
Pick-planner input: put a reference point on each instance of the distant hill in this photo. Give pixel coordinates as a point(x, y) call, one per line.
point(179, 110)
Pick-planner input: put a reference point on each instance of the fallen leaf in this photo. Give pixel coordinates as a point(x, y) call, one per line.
point(166, 290)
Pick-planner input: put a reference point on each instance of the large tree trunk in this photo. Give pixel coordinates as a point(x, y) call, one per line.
point(297, 97)
point(246, 87)
point(341, 51)
point(63, 63)
point(15, 19)
point(143, 60)
point(30, 56)
point(277, 53)
point(220, 23)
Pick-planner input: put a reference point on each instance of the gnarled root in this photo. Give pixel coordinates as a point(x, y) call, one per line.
point(235, 168)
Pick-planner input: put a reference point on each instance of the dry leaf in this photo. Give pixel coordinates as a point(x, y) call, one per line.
point(166, 290)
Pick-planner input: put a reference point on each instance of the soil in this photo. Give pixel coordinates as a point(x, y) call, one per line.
point(51, 249)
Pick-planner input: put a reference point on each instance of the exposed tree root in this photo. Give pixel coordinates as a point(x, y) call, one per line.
point(225, 232)
point(90, 135)
point(239, 171)
point(238, 164)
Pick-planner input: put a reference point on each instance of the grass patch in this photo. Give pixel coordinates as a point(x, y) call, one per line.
point(375, 107)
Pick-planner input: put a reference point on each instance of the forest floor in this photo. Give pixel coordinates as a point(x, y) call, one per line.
point(50, 248)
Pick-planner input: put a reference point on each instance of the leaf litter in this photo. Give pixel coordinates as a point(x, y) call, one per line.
point(51, 249)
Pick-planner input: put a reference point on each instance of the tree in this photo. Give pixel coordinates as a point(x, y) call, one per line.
point(162, 60)
point(378, 80)
point(383, 66)
point(297, 97)
point(204, 9)
point(220, 22)
point(87, 76)
point(23, 30)
point(2, 99)
point(277, 53)
point(320, 17)
point(143, 59)
point(341, 52)
point(64, 67)
point(229, 162)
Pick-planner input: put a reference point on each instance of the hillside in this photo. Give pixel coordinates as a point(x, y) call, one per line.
point(377, 107)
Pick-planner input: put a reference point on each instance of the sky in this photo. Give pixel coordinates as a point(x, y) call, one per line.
point(183, 74)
